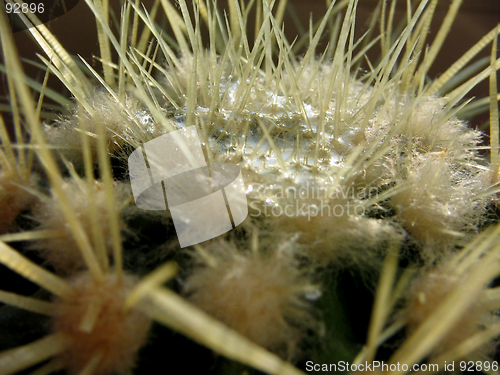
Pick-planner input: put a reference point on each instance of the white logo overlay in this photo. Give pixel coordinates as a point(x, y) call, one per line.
point(205, 201)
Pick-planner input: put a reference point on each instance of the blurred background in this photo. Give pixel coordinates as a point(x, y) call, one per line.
point(77, 32)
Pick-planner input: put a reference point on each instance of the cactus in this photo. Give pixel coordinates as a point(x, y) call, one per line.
point(372, 228)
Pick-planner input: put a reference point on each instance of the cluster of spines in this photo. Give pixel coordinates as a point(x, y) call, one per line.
point(194, 83)
point(99, 315)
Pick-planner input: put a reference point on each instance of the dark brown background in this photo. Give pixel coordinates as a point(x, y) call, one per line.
point(76, 30)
